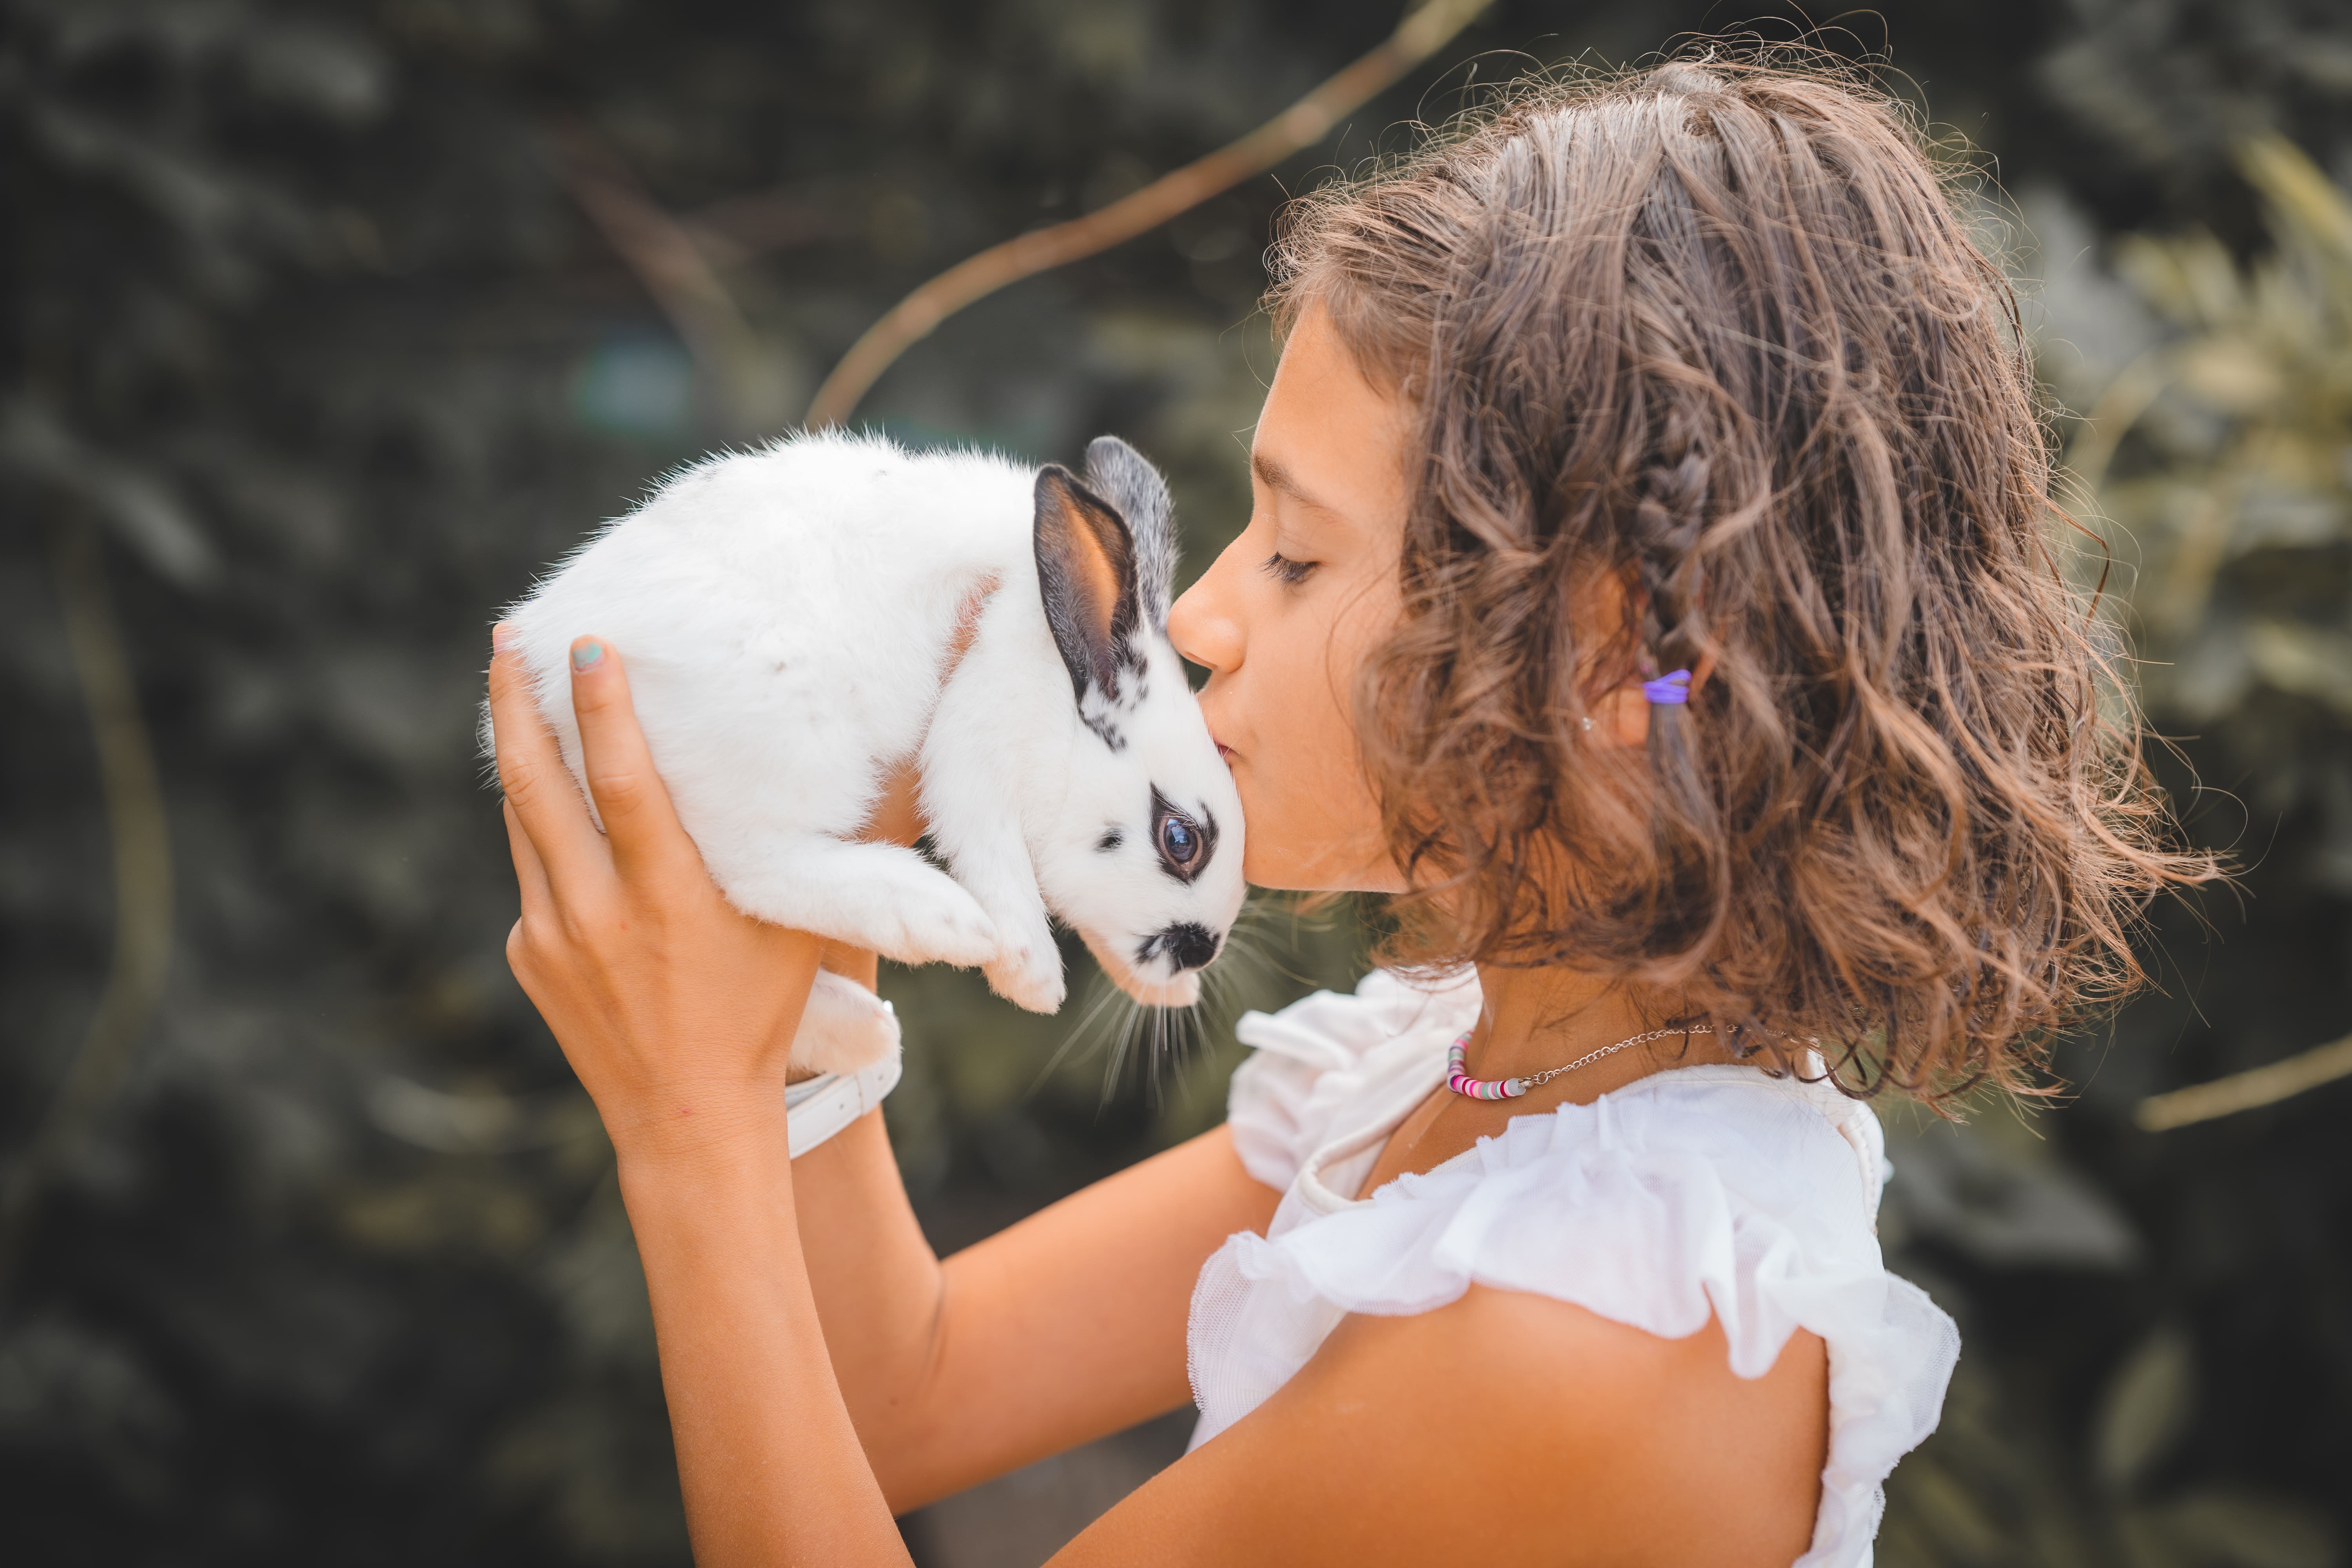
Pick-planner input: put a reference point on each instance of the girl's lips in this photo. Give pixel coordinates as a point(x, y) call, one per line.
point(1223, 751)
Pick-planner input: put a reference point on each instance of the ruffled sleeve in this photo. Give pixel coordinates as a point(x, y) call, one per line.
point(1313, 1059)
point(1707, 1191)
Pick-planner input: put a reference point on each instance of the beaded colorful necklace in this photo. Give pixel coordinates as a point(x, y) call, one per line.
point(1458, 1079)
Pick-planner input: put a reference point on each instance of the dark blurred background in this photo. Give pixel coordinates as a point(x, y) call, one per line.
point(328, 323)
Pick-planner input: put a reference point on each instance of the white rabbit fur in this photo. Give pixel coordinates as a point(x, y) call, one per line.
point(787, 614)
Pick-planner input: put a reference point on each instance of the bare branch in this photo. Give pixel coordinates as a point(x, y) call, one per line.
point(142, 886)
point(1425, 31)
point(2246, 1090)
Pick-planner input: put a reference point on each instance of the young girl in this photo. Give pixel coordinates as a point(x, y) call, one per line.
point(1650, 590)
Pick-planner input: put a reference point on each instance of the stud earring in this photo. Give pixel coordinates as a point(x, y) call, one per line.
point(1588, 722)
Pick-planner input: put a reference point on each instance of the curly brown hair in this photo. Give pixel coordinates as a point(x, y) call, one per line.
point(1718, 330)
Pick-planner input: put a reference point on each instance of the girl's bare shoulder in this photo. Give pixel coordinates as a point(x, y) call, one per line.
point(1505, 1428)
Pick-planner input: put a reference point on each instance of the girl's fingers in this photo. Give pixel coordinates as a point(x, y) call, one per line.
point(639, 822)
point(531, 875)
point(539, 789)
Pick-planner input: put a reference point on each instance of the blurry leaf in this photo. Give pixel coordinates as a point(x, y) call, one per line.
point(2147, 1545)
point(144, 509)
point(55, 1374)
point(450, 1209)
point(2145, 1409)
point(2207, 676)
point(2310, 200)
point(1954, 1517)
point(483, 1121)
point(2304, 660)
point(333, 72)
point(1993, 1190)
point(233, 220)
point(2231, 373)
point(2276, 515)
point(2018, 1503)
point(2247, 1529)
point(2192, 279)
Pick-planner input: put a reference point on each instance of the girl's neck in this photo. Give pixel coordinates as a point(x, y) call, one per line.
point(1533, 1019)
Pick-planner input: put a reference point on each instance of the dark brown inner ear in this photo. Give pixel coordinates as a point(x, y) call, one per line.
point(1086, 574)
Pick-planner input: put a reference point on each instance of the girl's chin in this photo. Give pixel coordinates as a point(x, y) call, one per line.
point(1278, 873)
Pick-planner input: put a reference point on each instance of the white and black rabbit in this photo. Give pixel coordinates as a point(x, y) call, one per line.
point(788, 615)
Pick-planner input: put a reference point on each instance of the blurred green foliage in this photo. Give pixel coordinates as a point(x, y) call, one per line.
point(308, 343)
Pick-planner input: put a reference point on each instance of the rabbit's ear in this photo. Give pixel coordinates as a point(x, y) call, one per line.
point(1087, 576)
point(1125, 478)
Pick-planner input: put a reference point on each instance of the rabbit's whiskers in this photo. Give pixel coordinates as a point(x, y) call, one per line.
point(1255, 969)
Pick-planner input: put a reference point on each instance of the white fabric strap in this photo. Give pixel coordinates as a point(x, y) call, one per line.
point(817, 1107)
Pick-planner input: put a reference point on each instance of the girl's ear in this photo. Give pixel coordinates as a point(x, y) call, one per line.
point(1621, 717)
point(1087, 576)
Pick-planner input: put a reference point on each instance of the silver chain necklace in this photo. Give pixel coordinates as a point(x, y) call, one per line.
point(1458, 1079)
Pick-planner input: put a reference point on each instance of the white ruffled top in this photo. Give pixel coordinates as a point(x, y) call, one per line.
point(1696, 1191)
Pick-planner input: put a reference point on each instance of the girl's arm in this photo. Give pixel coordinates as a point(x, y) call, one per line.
point(1067, 1326)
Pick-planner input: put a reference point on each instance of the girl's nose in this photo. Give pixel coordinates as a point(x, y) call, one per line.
point(1202, 625)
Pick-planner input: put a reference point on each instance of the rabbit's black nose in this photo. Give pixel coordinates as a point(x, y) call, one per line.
point(1189, 945)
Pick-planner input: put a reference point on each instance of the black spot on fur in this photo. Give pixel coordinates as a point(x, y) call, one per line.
point(1111, 839)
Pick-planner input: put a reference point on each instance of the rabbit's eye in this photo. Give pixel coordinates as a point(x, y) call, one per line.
point(1184, 842)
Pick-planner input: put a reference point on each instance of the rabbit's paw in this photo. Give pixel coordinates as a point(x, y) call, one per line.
point(941, 923)
point(843, 1028)
point(1028, 974)
point(871, 895)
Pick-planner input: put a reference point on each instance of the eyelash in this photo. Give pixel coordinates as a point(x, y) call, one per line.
point(1283, 569)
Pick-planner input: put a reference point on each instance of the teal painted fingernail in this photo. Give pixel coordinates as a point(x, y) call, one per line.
point(587, 655)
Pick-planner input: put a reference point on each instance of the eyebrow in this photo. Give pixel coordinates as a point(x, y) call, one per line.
point(1275, 477)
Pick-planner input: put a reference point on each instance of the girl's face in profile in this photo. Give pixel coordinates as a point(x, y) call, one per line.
point(1284, 617)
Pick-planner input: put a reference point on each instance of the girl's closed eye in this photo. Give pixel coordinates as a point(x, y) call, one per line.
point(1284, 569)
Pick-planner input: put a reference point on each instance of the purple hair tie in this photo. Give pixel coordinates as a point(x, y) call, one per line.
point(1672, 688)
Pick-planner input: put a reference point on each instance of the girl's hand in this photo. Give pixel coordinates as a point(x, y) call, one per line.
point(676, 1009)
